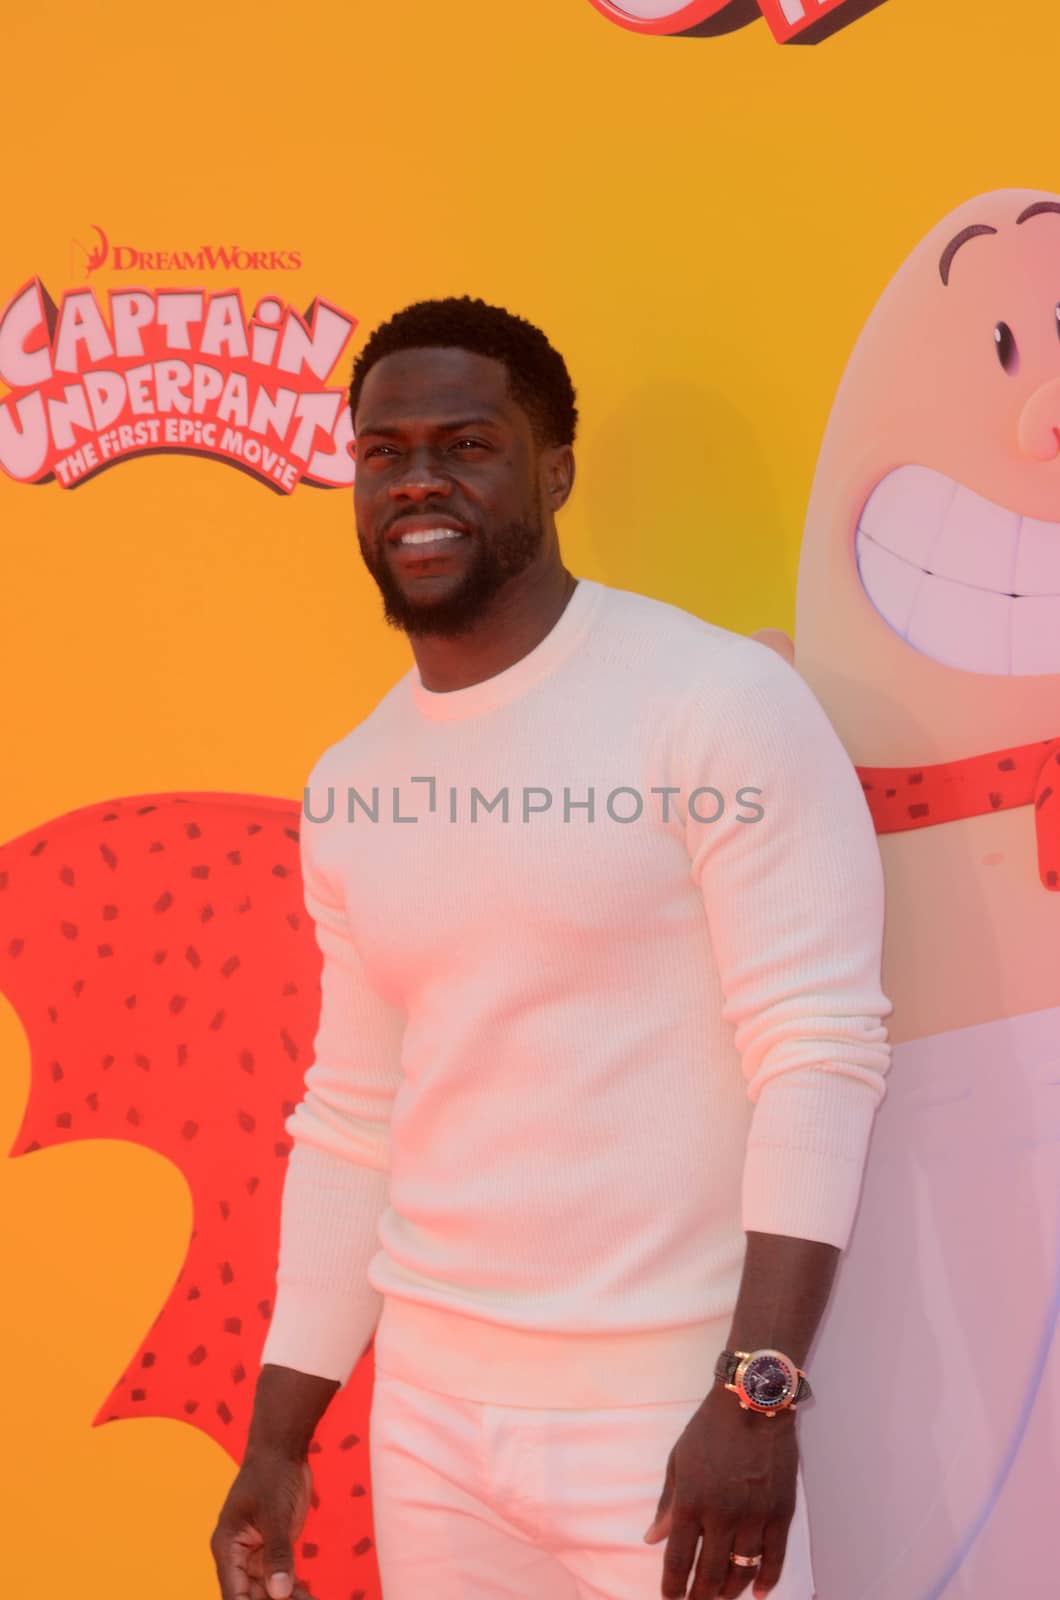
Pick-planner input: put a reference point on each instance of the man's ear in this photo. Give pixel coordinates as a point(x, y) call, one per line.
point(777, 640)
point(557, 474)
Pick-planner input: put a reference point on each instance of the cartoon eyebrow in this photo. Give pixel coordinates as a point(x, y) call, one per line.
point(946, 259)
point(1037, 208)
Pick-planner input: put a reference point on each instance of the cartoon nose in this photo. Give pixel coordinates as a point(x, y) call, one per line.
point(1039, 430)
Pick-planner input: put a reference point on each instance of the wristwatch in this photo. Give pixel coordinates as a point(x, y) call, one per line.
point(767, 1381)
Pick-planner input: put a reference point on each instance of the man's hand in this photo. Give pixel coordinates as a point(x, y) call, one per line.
point(730, 1478)
point(264, 1513)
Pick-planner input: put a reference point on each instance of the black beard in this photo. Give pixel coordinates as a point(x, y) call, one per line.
point(494, 562)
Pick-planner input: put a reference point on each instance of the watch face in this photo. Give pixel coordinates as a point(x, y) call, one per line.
point(767, 1381)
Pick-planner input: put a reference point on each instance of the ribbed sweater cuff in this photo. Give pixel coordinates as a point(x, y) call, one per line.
point(806, 1153)
point(326, 1310)
point(321, 1332)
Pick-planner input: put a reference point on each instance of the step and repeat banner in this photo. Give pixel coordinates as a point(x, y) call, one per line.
point(803, 260)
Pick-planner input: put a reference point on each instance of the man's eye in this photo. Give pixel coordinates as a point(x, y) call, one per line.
point(375, 450)
point(476, 444)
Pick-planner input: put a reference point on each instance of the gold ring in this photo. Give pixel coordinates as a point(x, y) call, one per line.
point(745, 1561)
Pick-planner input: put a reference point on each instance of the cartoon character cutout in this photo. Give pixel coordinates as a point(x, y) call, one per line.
point(928, 624)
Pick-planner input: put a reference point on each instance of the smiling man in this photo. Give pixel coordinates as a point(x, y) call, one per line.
point(600, 1046)
point(439, 570)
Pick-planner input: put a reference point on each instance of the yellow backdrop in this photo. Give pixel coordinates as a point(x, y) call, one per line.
point(701, 225)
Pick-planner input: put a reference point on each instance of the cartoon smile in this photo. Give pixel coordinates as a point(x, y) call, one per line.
point(960, 579)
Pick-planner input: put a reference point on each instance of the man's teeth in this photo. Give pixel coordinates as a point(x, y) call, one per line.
point(430, 535)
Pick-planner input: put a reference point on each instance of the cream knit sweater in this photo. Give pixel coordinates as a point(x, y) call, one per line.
point(601, 946)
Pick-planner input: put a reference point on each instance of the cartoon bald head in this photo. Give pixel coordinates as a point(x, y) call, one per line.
point(928, 607)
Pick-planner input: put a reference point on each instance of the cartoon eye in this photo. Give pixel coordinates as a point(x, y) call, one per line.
point(1005, 343)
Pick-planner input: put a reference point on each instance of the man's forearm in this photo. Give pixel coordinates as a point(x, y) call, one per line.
point(288, 1405)
point(783, 1292)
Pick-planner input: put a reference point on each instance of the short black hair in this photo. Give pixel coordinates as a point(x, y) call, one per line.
point(537, 374)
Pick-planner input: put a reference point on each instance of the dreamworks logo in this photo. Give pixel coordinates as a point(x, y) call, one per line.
point(87, 256)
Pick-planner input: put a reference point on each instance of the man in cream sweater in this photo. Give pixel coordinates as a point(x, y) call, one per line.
point(600, 1046)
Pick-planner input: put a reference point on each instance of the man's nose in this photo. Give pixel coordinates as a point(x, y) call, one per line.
point(1039, 430)
point(421, 478)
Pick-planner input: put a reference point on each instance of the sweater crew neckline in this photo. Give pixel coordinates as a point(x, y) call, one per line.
point(446, 705)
